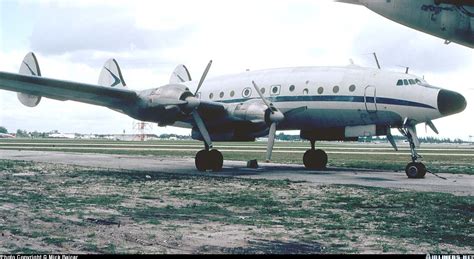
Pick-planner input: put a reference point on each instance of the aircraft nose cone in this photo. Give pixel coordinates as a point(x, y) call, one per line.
point(450, 102)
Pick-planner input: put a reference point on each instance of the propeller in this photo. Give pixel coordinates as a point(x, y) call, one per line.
point(432, 127)
point(275, 116)
point(193, 103)
point(203, 77)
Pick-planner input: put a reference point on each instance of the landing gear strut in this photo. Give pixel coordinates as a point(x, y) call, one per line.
point(315, 159)
point(209, 160)
point(415, 169)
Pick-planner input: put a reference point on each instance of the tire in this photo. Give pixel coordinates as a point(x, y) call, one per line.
point(202, 160)
point(216, 160)
point(415, 170)
point(315, 159)
point(321, 159)
point(308, 159)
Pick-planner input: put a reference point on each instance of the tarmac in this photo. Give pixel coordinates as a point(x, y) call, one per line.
point(457, 184)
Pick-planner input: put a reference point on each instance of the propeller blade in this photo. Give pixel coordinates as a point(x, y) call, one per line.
point(432, 127)
point(391, 140)
point(203, 77)
point(202, 129)
point(269, 105)
point(271, 141)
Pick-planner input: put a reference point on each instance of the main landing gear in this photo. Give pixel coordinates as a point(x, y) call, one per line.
point(415, 169)
point(209, 160)
point(315, 159)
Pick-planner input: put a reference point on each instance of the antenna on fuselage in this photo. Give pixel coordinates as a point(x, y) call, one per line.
point(407, 69)
point(377, 60)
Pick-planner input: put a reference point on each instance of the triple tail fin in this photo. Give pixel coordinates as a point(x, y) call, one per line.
point(111, 75)
point(29, 67)
point(180, 75)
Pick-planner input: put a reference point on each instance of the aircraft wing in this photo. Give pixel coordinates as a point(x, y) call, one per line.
point(61, 90)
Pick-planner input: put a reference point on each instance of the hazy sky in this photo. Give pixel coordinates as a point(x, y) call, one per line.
point(72, 40)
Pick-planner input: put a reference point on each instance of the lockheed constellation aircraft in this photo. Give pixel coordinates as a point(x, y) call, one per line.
point(451, 20)
point(323, 103)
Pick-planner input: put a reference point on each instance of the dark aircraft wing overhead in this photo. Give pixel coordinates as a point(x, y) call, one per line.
point(61, 90)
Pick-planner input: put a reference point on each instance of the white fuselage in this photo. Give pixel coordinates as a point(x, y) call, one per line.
point(334, 96)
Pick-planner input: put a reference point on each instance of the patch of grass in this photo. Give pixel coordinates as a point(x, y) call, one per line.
point(241, 199)
point(154, 215)
point(27, 250)
point(91, 248)
point(57, 241)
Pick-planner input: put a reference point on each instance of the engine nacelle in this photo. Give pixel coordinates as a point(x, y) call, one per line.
point(167, 104)
point(253, 110)
point(172, 94)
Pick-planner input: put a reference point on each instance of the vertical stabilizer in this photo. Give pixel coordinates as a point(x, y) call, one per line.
point(29, 67)
point(180, 75)
point(111, 75)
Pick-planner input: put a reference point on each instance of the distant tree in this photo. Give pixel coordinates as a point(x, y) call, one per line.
point(36, 134)
point(22, 134)
point(3, 130)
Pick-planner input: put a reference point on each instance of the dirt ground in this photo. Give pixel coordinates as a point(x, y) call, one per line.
point(51, 208)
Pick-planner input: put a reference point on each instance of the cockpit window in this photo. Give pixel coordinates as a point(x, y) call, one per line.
point(400, 82)
point(405, 82)
point(418, 81)
point(412, 82)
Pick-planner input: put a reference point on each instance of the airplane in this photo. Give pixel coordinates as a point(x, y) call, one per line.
point(451, 20)
point(3, 135)
point(323, 103)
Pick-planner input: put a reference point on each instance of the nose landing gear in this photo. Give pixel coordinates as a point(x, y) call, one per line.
point(415, 169)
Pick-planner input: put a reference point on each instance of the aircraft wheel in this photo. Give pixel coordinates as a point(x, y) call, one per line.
point(415, 170)
point(315, 159)
point(216, 160)
point(202, 160)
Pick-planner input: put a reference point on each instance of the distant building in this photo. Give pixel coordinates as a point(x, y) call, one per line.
point(118, 137)
point(63, 135)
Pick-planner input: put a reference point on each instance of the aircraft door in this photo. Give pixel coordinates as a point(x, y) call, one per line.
point(370, 99)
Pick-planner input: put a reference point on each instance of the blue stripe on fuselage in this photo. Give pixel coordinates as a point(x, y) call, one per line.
point(336, 98)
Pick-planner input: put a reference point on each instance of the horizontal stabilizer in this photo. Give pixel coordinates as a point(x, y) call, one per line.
point(29, 67)
point(111, 75)
point(180, 75)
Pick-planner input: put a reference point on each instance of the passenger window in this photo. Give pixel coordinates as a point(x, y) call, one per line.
point(320, 90)
point(262, 90)
point(352, 88)
point(336, 89)
point(400, 82)
point(211, 95)
point(247, 92)
point(405, 82)
point(292, 88)
point(275, 90)
point(232, 93)
point(198, 96)
point(412, 82)
point(221, 95)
